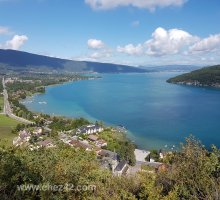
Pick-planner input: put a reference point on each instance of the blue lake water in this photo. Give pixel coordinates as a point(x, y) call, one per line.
point(157, 114)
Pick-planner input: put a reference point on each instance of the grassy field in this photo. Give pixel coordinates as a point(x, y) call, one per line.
point(6, 125)
point(1, 103)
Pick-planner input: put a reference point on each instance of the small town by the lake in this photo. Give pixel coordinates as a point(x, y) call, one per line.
point(104, 99)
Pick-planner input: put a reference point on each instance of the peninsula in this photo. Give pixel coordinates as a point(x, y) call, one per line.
point(205, 77)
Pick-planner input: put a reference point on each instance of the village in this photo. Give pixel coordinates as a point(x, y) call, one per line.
point(112, 149)
point(88, 138)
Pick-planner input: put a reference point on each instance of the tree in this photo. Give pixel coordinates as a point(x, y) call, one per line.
point(192, 173)
point(155, 155)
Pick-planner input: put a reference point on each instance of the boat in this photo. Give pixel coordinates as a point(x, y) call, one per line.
point(42, 102)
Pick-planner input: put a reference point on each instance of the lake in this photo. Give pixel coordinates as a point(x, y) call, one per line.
point(157, 114)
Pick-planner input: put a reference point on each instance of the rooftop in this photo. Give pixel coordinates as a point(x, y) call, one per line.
point(93, 137)
point(121, 165)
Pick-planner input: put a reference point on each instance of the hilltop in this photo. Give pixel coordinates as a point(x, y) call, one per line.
point(207, 76)
point(18, 61)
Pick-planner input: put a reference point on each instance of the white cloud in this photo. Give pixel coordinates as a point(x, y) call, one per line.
point(171, 41)
point(4, 30)
point(15, 43)
point(100, 50)
point(99, 55)
point(148, 4)
point(207, 44)
point(163, 42)
point(130, 49)
point(95, 44)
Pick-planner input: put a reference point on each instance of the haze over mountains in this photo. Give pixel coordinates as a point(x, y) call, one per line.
point(18, 61)
point(164, 68)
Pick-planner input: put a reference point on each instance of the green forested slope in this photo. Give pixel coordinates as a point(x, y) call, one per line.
point(208, 76)
point(18, 61)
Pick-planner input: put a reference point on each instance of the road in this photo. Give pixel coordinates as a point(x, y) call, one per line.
point(7, 108)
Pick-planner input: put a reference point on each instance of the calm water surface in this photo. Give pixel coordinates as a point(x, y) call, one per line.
point(157, 114)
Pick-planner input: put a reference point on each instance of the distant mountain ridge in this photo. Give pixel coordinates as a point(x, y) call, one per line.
point(166, 68)
point(207, 76)
point(22, 61)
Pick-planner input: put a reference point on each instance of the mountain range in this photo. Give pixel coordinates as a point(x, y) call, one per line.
point(18, 61)
point(12, 60)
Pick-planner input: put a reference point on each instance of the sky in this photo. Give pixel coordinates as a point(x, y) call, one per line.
point(131, 32)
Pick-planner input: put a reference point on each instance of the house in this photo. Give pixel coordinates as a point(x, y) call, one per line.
point(101, 143)
point(77, 143)
point(38, 131)
point(107, 153)
point(46, 143)
point(89, 129)
point(24, 135)
point(108, 159)
point(47, 130)
point(93, 138)
point(74, 142)
point(105, 163)
point(47, 122)
point(121, 168)
point(97, 150)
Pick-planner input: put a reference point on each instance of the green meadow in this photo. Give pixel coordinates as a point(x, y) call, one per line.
point(6, 126)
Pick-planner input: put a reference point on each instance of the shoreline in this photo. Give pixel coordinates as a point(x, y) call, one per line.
point(217, 87)
point(126, 133)
point(143, 140)
point(129, 134)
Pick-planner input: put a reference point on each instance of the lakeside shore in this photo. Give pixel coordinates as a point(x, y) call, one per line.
point(155, 144)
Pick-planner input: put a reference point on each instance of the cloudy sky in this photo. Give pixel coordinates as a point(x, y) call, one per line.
point(134, 32)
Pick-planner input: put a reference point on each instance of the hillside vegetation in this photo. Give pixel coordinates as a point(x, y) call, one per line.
point(18, 61)
point(208, 76)
point(194, 173)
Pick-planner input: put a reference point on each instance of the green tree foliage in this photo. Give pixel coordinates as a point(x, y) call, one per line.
point(60, 123)
point(119, 143)
point(21, 110)
point(205, 76)
point(194, 174)
point(154, 154)
point(58, 166)
point(19, 127)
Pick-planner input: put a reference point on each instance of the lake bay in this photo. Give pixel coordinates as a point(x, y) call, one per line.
point(157, 114)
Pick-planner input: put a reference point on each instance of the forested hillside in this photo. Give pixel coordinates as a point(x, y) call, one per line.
point(208, 76)
point(16, 61)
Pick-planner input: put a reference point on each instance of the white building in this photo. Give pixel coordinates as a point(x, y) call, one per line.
point(89, 129)
point(121, 168)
